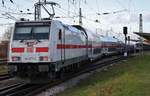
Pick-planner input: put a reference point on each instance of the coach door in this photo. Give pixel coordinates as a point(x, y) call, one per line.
point(62, 41)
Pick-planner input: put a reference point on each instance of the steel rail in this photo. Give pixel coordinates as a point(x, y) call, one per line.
point(11, 89)
point(33, 89)
point(5, 76)
point(96, 65)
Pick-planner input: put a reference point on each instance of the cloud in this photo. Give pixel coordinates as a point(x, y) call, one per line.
point(127, 18)
point(123, 19)
point(147, 17)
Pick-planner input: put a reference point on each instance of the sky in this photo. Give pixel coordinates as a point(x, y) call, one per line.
point(121, 13)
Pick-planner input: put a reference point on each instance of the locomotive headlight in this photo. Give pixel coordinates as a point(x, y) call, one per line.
point(16, 58)
point(43, 58)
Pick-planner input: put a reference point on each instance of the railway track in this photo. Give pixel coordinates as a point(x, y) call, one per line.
point(100, 64)
point(3, 61)
point(20, 89)
point(5, 76)
point(23, 89)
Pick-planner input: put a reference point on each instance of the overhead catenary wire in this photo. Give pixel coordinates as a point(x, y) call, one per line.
point(74, 16)
point(68, 7)
point(62, 9)
point(3, 1)
point(6, 24)
point(121, 5)
point(75, 5)
point(98, 9)
point(13, 10)
point(61, 12)
point(17, 13)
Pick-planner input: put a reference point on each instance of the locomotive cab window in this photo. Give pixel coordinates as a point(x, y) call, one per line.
point(31, 32)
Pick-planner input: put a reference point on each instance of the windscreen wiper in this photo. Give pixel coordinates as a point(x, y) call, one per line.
point(32, 33)
point(33, 36)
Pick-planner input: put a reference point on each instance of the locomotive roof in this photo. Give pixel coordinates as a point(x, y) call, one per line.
point(79, 27)
point(109, 39)
point(33, 21)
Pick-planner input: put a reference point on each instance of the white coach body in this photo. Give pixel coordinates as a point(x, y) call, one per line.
point(47, 42)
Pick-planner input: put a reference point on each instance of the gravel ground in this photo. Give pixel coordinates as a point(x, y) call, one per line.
point(72, 82)
point(8, 82)
point(68, 84)
point(61, 87)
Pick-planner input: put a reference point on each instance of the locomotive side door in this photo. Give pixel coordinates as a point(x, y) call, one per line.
point(62, 41)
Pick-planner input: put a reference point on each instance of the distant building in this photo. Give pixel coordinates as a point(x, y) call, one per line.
point(146, 41)
point(3, 49)
point(146, 37)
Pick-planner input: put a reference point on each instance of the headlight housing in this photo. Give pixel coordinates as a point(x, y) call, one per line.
point(16, 58)
point(43, 58)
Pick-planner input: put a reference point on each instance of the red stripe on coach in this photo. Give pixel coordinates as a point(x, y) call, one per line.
point(42, 49)
point(17, 50)
point(70, 46)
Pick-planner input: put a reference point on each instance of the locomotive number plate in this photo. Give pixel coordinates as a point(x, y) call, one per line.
point(30, 58)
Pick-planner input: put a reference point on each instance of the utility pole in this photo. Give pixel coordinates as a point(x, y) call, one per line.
point(80, 17)
point(41, 4)
point(125, 32)
point(37, 14)
point(68, 8)
point(141, 31)
point(128, 38)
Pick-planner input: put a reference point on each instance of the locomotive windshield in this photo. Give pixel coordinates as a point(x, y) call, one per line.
point(31, 32)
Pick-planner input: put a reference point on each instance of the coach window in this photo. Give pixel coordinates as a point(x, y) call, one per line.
point(60, 34)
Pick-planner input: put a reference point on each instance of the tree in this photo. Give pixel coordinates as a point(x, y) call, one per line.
point(5, 41)
point(7, 33)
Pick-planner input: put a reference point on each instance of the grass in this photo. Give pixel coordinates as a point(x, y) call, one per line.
point(3, 69)
point(128, 78)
